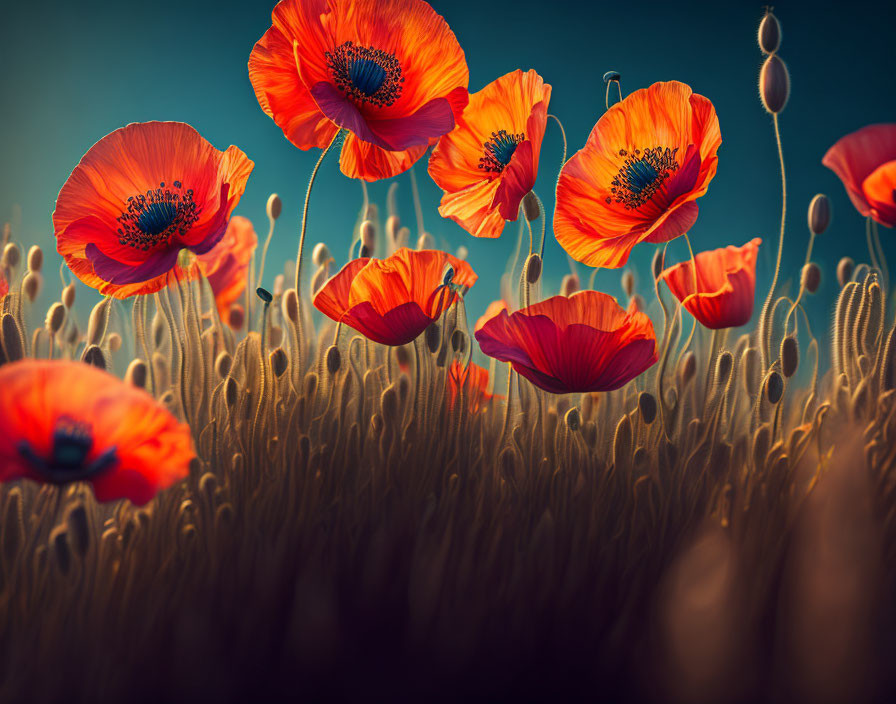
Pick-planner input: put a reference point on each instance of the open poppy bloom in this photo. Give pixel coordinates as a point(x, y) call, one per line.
point(227, 266)
point(389, 71)
point(866, 163)
point(473, 379)
point(393, 300)
point(726, 283)
point(490, 160)
point(62, 422)
point(139, 196)
point(648, 158)
point(578, 343)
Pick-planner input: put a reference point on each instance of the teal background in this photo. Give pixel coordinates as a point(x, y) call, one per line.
point(72, 72)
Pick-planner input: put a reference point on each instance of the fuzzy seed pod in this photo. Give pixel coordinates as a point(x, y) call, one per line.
point(533, 268)
point(724, 364)
point(573, 419)
point(774, 387)
point(94, 355)
point(570, 285)
point(658, 263)
point(433, 336)
point(99, 319)
point(32, 285)
point(62, 553)
point(11, 256)
point(291, 306)
point(810, 277)
point(334, 359)
point(310, 385)
point(68, 295)
point(223, 363)
point(875, 318)
point(114, 342)
point(236, 317)
point(321, 255)
point(774, 84)
point(790, 356)
point(35, 259)
point(819, 214)
point(769, 34)
point(136, 374)
point(13, 345)
point(425, 241)
point(459, 341)
point(628, 282)
point(647, 407)
point(78, 527)
point(687, 368)
point(55, 317)
point(230, 391)
point(279, 361)
point(531, 209)
point(274, 207)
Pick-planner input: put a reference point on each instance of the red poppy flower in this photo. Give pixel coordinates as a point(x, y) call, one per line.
point(139, 196)
point(389, 71)
point(490, 161)
point(726, 283)
point(393, 300)
point(473, 379)
point(494, 308)
point(226, 266)
point(648, 158)
point(866, 163)
point(66, 421)
point(565, 344)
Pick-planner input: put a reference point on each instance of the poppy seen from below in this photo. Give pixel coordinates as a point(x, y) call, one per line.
point(66, 421)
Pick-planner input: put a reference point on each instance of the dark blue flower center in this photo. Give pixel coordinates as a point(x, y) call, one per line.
point(72, 443)
point(641, 175)
point(154, 217)
point(365, 74)
point(499, 150)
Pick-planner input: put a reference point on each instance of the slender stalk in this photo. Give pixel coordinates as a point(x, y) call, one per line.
point(418, 208)
point(875, 233)
point(264, 250)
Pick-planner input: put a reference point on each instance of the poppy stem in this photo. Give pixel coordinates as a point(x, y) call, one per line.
point(562, 134)
point(506, 425)
point(264, 250)
point(882, 259)
point(418, 208)
point(693, 261)
point(544, 224)
point(802, 288)
point(871, 250)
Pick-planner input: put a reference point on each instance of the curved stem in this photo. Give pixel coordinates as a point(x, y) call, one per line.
point(264, 250)
point(764, 322)
point(591, 278)
point(875, 232)
point(418, 208)
point(868, 238)
point(563, 134)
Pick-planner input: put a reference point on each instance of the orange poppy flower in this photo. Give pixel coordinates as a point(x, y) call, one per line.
point(473, 379)
point(490, 161)
point(139, 196)
point(226, 266)
point(389, 71)
point(66, 421)
point(393, 300)
point(726, 284)
point(494, 308)
point(578, 343)
point(648, 158)
point(866, 163)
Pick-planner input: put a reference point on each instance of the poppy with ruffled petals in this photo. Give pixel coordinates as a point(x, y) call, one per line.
point(489, 162)
point(726, 284)
point(866, 163)
point(62, 422)
point(648, 158)
point(393, 300)
point(226, 266)
point(473, 379)
point(389, 71)
point(138, 197)
point(565, 344)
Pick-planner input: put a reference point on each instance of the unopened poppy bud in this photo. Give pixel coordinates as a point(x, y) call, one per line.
point(723, 367)
point(334, 359)
point(279, 361)
point(687, 368)
point(769, 34)
point(573, 419)
point(68, 295)
point(35, 258)
point(31, 285)
point(425, 241)
point(774, 387)
point(11, 256)
point(531, 208)
point(533, 268)
point(433, 336)
point(819, 214)
point(223, 363)
point(236, 317)
point(99, 319)
point(844, 271)
point(462, 253)
point(291, 305)
point(230, 391)
point(647, 407)
point(659, 262)
point(321, 254)
point(368, 235)
point(275, 206)
point(114, 342)
point(774, 84)
point(570, 285)
point(264, 295)
point(790, 356)
point(94, 355)
point(55, 317)
point(628, 282)
point(810, 277)
point(458, 341)
point(136, 374)
point(612, 76)
point(279, 284)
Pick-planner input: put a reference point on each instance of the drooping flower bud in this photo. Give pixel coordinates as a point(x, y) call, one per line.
point(98, 321)
point(223, 363)
point(11, 256)
point(570, 285)
point(531, 209)
point(136, 374)
point(628, 282)
point(647, 407)
point(32, 285)
point(334, 359)
point(94, 355)
point(790, 356)
point(368, 236)
point(35, 259)
point(769, 34)
point(844, 271)
point(114, 342)
point(810, 277)
point(55, 317)
point(275, 206)
point(774, 84)
point(321, 254)
point(819, 214)
point(573, 419)
point(533, 268)
point(279, 361)
point(774, 387)
point(290, 305)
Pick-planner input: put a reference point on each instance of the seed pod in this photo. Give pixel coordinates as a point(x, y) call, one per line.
point(790, 356)
point(368, 235)
point(425, 241)
point(647, 407)
point(723, 367)
point(279, 361)
point(264, 295)
point(774, 387)
point(774, 84)
point(810, 277)
point(533, 268)
point(334, 359)
point(136, 374)
point(114, 342)
point(11, 256)
point(79, 527)
point(570, 285)
point(32, 285)
point(769, 33)
point(531, 209)
point(819, 214)
point(55, 317)
point(844, 271)
point(230, 391)
point(687, 368)
point(62, 553)
point(68, 295)
point(459, 341)
point(612, 76)
point(236, 317)
point(274, 206)
point(874, 322)
point(658, 263)
point(223, 363)
point(35, 259)
point(99, 319)
point(321, 255)
point(290, 305)
point(13, 345)
point(94, 355)
point(573, 419)
point(628, 282)
point(433, 336)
